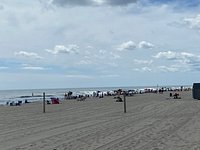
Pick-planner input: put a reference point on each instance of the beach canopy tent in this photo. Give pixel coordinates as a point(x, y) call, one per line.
point(196, 91)
point(54, 100)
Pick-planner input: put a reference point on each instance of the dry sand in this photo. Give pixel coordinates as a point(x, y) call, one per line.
point(152, 122)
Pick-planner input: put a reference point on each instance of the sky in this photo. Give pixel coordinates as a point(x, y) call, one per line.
point(98, 43)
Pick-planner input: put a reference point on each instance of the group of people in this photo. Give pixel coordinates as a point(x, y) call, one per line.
point(175, 95)
point(18, 103)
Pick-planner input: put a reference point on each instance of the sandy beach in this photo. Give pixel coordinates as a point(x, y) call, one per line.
point(152, 122)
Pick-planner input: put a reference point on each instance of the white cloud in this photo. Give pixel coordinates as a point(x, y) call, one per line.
point(167, 55)
point(78, 76)
point(84, 62)
point(145, 62)
point(187, 55)
point(193, 22)
point(177, 55)
point(144, 44)
point(146, 69)
point(28, 54)
point(143, 69)
point(169, 69)
point(63, 49)
point(184, 61)
point(33, 68)
point(130, 45)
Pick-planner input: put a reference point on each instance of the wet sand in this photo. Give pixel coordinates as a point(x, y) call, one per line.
point(152, 122)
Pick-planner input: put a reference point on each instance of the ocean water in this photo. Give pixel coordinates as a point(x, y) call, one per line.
point(26, 94)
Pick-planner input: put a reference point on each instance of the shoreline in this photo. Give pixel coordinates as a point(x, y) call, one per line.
point(36, 95)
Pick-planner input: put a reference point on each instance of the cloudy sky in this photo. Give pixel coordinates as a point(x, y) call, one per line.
point(97, 43)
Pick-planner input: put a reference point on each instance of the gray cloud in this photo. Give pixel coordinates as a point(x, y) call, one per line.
point(92, 2)
point(120, 2)
point(72, 2)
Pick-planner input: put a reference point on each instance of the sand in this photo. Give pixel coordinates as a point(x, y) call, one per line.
point(152, 122)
